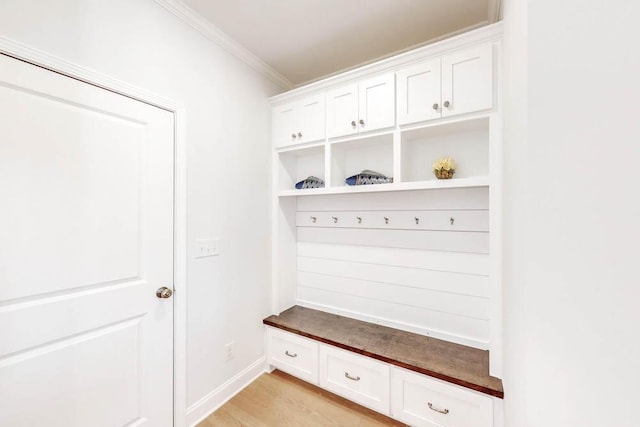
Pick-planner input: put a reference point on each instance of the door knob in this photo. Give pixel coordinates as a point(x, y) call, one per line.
point(361, 122)
point(436, 106)
point(164, 292)
point(447, 104)
point(353, 123)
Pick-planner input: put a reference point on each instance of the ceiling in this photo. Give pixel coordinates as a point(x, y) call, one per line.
point(305, 40)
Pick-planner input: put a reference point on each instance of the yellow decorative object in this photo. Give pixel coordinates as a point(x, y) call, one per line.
point(444, 168)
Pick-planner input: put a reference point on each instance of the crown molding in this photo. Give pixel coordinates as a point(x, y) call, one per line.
point(213, 33)
point(495, 11)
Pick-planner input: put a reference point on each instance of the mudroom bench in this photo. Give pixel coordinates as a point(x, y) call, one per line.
point(413, 378)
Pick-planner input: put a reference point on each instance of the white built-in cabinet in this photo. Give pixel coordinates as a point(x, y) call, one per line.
point(444, 105)
point(455, 84)
point(300, 121)
point(419, 400)
point(413, 398)
point(419, 92)
point(396, 117)
point(363, 106)
point(360, 379)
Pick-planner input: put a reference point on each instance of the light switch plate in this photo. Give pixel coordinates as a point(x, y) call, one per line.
point(207, 248)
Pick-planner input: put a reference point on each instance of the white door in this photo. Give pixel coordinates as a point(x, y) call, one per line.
point(86, 239)
point(285, 125)
point(467, 81)
point(377, 108)
point(342, 111)
point(312, 118)
point(419, 92)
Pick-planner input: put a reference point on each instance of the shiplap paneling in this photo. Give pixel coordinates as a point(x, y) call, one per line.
point(416, 260)
point(461, 329)
point(477, 264)
point(438, 281)
point(456, 304)
point(448, 241)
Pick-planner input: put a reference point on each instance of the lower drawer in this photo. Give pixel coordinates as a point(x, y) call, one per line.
point(293, 354)
point(355, 377)
point(423, 401)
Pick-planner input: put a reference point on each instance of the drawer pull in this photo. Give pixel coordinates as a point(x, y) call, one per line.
point(433, 408)
point(346, 374)
point(289, 354)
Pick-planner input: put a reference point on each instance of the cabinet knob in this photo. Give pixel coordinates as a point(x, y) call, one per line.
point(293, 136)
point(361, 122)
point(353, 123)
point(299, 134)
point(446, 104)
point(436, 106)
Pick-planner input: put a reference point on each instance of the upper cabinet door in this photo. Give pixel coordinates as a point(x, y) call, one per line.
point(285, 124)
point(342, 108)
point(419, 92)
point(311, 118)
point(467, 81)
point(377, 103)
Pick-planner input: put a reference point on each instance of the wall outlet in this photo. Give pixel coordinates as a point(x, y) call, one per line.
point(228, 351)
point(207, 247)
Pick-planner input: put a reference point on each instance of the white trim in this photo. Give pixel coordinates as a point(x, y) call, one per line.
point(458, 339)
point(495, 237)
point(34, 56)
point(218, 397)
point(180, 272)
point(213, 33)
point(477, 36)
point(495, 9)
point(498, 411)
point(61, 66)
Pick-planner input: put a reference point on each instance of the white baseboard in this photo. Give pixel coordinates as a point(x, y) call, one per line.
point(218, 397)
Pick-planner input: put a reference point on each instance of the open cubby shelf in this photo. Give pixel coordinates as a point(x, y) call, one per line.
point(481, 181)
point(407, 155)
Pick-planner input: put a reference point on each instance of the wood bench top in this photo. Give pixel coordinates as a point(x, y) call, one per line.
point(458, 364)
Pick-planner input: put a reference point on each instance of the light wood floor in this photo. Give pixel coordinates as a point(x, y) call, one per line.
point(278, 399)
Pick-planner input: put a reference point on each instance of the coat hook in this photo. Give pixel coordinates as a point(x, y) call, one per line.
point(386, 220)
point(313, 218)
point(359, 218)
point(451, 220)
point(335, 219)
point(417, 220)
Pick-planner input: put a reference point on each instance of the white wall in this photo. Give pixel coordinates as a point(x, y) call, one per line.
point(228, 126)
point(515, 334)
point(572, 235)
